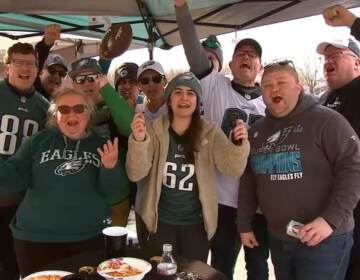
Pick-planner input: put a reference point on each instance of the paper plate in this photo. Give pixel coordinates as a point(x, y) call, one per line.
point(114, 264)
point(47, 272)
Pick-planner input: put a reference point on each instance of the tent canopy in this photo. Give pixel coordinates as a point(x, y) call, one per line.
point(153, 21)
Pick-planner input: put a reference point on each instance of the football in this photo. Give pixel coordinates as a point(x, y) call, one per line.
point(116, 40)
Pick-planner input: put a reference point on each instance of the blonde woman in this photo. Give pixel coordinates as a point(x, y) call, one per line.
point(65, 171)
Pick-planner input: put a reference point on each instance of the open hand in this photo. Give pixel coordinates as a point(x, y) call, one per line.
point(109, 153)
point(138, 127)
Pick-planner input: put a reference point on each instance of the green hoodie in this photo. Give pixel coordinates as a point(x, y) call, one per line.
point(65, 187)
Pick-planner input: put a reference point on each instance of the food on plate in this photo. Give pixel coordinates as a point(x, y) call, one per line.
point(46, 277)
point(118, 268)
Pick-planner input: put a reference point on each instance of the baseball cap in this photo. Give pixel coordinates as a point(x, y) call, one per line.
point(248, 41)
point(150, 65)
point(55, 59)
point(183, 79)
point(344, 44)
point(212, 44)
point(84, 65)
point(127, 70)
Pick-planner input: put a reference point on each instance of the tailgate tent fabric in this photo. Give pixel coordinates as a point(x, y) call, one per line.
point(153, 21)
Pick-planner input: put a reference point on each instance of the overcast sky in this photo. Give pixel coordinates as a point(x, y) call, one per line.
point(295, 40)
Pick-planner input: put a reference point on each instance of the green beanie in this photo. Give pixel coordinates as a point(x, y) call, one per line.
point(184, 79)
point(213, 45)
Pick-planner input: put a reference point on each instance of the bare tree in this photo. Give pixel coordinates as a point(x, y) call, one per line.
point(311, 74)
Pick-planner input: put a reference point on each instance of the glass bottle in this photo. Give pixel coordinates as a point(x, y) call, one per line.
point(167, 264)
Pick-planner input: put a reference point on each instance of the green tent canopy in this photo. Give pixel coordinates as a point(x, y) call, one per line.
point(153, 21)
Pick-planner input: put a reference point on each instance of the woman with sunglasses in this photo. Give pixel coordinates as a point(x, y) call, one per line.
point(176, 157)
point(65, 171)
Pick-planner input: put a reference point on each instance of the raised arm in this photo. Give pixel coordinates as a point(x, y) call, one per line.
point(119, 108)
point(112, 173)
point(140, 152)
point(230, 158)
point(195, 54)
point(338, 15)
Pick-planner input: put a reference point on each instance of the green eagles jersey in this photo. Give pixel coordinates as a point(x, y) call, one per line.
point(65, 187)
point(20, 117)
point(179, 201)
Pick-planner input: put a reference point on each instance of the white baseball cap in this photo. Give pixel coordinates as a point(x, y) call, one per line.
point(344, 44)
point(150, 65)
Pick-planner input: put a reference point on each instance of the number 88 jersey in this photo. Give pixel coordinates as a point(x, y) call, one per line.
point(20, 117)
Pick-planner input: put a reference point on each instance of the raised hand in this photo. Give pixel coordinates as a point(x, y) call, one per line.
point(51, 34)
point(338, 15)
point(179, 3)
point(315, 232)
point(109, 153)
point(239, 132)
point(138, 127)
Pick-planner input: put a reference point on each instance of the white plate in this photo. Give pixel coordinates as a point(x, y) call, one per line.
point(139, 264)
point(48, 272)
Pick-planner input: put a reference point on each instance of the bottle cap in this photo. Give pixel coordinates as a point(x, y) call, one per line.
point(167, 247)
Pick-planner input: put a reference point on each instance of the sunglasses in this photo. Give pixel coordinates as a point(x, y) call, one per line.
point(154, 79)
point(54, 71)
point(280, 63)
point(77, 109)
point(89, 78)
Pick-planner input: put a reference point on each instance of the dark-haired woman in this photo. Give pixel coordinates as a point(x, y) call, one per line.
point(177, 155)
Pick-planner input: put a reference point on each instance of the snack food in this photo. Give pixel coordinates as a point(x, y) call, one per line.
point(46, 277)
point(118, 268)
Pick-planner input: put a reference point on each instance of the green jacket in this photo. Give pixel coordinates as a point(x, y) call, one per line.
point(65, 187)
point(119, 108)
point(147, 160)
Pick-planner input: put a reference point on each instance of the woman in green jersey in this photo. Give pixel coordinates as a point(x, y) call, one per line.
point(177, 157)
point(66, 171)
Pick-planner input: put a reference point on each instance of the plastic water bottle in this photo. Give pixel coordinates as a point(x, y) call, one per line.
point(167, 264)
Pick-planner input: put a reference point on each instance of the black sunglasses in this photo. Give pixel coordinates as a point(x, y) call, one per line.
point(89, 78)
point(154, 79)
point(66, 109)
point(54, 71)
point(280, 63)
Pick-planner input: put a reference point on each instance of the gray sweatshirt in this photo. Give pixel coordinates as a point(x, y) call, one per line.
point(301, 166)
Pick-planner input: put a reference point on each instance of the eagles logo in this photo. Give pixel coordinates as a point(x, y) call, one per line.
point(123, 73)
point(278, 138)
point(70, 167)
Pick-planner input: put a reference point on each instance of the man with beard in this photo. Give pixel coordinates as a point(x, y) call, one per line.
point(52, 68)
point(52, 75)
point(224, 102)
point(22, 113)
point(342, 75)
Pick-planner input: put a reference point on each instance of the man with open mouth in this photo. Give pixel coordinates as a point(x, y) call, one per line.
point(342, 75)
point(22, 113)
point(224, 101)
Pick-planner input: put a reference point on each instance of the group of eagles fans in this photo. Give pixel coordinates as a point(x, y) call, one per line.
point(209, 163)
